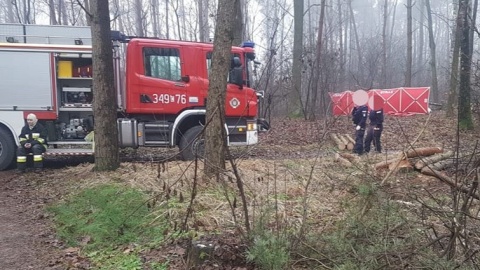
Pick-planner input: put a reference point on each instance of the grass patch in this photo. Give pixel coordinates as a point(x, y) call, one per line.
point(105, 218)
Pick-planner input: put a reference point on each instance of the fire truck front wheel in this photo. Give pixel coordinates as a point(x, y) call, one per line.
point(192, 144)
point(7, 149)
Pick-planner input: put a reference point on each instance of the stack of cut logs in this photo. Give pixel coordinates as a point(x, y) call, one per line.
point(343, 142)
point(427, 160)
point(422, 159)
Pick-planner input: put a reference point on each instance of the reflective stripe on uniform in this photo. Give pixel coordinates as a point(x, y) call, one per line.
point(35, 135)
point(41, 140)
point(23, 139)
point(37, 158)
point(21, 159)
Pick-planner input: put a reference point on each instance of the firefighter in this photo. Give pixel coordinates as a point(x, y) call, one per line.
point(359, 115)
point(33, 139)
point(374, 131)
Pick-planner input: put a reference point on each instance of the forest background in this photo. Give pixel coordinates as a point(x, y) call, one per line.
point(306, 49)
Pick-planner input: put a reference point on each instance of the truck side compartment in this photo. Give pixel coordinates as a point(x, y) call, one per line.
point(161, 89)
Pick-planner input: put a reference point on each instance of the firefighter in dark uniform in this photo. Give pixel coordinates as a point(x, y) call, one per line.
point(359, 115)
point(374, 131)
point(33, 139)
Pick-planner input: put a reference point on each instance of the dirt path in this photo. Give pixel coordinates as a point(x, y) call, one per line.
point(24, 231)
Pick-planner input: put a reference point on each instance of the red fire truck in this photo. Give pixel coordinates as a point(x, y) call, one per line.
point(161, 90)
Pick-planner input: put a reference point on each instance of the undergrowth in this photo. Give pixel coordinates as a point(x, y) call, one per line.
point(103, 219)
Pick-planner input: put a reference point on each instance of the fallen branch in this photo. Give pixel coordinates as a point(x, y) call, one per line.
point(447, 180)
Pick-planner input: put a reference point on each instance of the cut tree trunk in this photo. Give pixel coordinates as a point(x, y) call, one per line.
point(344, 140)
point(402, 167)
point(432, 159)
point(350, 157)
point(345, 162)
point(351, 142)
point(424, 151)
point(340, 144)
point(385, 163)
point(442, 165)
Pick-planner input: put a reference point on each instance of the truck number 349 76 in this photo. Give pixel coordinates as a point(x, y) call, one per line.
point(167, 98)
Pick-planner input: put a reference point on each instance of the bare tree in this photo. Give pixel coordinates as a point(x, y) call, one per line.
point(452, 94)
point(384, 43)
point(408, 72)
point(316, 83)
point(105, 111)
point(215, 142)
point(154, 15)
point(203, 20)
point(464, 94)
point(433, 53)
point(239, 26)
point(295, 95)
point(139, 30)
point(52, 14)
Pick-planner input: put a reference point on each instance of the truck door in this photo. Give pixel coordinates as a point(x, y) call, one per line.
point(237, 97)
point(160, 89)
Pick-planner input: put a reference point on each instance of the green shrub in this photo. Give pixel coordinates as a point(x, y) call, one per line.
point(269, 251)
point(106, 215)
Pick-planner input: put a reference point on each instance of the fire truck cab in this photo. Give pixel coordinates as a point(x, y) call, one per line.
point(161, 90)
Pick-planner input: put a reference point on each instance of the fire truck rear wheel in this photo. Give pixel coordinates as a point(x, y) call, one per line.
point(192, 145)
point(7, 149)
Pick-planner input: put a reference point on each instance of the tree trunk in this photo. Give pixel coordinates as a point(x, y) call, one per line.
point(384, 44)
point(167, 20)
point(104, 110)
point(433, 57)
point(341, 47)
point(215, 142)
point(10, 12)
point(51, 9)
point(87, 11)
point(452, 94)
point(408, 72)
point(154, 6)
point(432, 159)
point(63, 11)
point(464, 104)
point(139, 31)
point(203, 21)
point(423, 151)
point(357, 38)
point(420, 47)
point(295, 95)
point(318, 73)
point(239, 28)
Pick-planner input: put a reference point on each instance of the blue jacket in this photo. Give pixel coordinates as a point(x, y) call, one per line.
point(376, 118)
point(359, 115)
